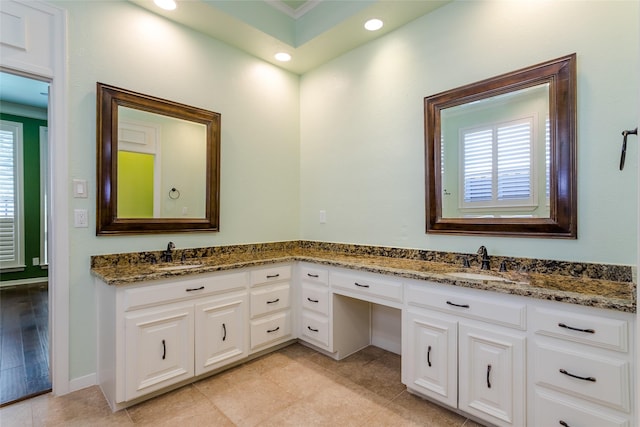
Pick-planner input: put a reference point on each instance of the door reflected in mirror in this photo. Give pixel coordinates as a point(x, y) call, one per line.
point(161, 166)
point(495, 156)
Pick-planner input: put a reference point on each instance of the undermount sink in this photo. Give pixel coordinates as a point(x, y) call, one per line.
point(478, 276)
point(179, 267)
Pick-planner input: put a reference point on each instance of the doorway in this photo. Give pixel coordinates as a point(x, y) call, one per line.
point(24, 292)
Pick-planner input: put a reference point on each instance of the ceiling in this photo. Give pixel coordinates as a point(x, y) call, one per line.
point(22, 90)
point(312, 31)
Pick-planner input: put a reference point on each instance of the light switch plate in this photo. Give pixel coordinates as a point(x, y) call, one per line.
point(80, 188)
point(323, 217)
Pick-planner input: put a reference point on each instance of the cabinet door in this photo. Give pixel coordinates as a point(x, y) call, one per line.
point(219, 332)
point(492, 375)
point(158, 348)
point(430, 362)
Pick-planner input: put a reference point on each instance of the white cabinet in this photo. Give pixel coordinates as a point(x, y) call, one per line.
point(270, 300)
point(314, 301)
point(158, 348)
point(430, 356)
point(491, 374)
point(155, 335)
point(581, 367)
point(474, 365)
point(219, 332)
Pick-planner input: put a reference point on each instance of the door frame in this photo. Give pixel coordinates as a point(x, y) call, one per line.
point(51, 66)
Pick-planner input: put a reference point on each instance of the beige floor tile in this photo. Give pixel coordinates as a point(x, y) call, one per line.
point(75, 409)
point(17, 414)
point(294, 386)
point(186, 404)
point(247, 403)
point(423, 412)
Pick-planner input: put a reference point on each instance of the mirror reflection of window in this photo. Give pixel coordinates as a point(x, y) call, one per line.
point(496, 155)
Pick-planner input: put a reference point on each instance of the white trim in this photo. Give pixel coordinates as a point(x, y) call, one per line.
point(21, 282)
point(23, 110)
point(59, 208)
point(82, 382)
point(289, 11)
point(44, 190)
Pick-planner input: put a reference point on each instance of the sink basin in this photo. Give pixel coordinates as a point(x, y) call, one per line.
point(478, 276)
point(179, 267)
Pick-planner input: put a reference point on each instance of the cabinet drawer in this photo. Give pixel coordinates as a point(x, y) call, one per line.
point(315, 328)
point(469, 304)
point(551, 410)
point(595, 378)
point(270, 329)
point(272, 274)
point(269, 299)
point(154, 294)
point(387, 289)
point(314, 275)
point(588, 329)
point(315, 298)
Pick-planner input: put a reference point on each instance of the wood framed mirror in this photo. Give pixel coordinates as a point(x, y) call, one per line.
point(500, 155)
point(158, 165)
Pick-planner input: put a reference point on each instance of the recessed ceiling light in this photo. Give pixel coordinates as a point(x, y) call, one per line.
point(165, 4)
point(373, 24)
point(283, 57)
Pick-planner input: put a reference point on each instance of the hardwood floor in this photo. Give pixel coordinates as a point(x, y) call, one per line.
point(24, 342)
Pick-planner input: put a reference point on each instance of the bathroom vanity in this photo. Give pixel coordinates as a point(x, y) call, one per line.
point(506, 353)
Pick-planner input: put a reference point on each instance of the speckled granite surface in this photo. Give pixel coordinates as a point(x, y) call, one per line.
point(595, 285)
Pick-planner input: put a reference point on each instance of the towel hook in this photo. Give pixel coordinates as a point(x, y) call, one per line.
point(624, 145)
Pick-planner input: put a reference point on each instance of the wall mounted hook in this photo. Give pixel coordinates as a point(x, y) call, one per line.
point(625, 133)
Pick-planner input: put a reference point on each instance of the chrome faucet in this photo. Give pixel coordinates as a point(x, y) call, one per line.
point(167, 256)
point(482, 251)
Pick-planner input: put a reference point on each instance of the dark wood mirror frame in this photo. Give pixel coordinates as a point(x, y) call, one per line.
point(109, 98)
point(560, 74)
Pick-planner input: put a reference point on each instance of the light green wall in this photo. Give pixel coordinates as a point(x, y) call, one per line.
point(362, 125)
point(348, 137)
point(120, 44)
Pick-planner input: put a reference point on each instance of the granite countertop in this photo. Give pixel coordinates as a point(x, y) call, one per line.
point(608, 294)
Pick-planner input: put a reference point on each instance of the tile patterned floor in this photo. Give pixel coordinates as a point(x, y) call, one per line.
point(294, 386)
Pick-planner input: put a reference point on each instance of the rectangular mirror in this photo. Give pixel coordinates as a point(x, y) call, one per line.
point(500, 154)
point(158, 165)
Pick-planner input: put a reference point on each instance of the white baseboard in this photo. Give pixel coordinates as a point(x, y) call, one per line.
point(82, 382)
point(21, 282)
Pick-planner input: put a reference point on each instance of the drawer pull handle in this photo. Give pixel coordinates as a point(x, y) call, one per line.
point(488, 376)
point(164, 350)
point(429, 356)
point(312, 300)
point(593, 380)
point(224, 332)
point(563, 423)
point(588, 331)
point(273, 301)
point(362, 286)
point(195, 289)
point(273, 276)
point(458, 305)
point(315, 276)
point(273, 330)
point(311, 329)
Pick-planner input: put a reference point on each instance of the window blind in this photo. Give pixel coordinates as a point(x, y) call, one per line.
point(10, 185)
point(497, 164)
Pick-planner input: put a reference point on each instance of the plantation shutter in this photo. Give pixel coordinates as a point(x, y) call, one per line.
point(497, 166)
point(10, 204)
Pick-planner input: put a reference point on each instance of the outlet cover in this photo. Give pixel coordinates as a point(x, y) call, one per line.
point(80, 218)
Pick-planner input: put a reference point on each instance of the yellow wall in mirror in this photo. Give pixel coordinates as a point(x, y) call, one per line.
point(135, 201)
